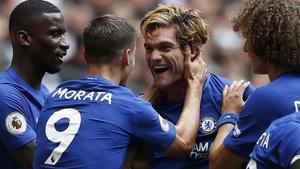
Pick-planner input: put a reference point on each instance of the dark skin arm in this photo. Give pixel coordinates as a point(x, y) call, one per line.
point(295, 165)
point(24, 155)
point(137, 157)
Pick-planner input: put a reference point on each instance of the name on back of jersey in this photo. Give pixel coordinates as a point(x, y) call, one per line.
point(263, 141)
point(65, 93)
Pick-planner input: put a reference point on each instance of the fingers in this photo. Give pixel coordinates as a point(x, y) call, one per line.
point(187, 54)
point(233, 96)
point(190, 54)
point(235, 90)
point(225, 91)
point(195, 67)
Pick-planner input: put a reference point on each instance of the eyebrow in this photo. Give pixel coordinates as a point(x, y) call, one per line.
point(160, 44)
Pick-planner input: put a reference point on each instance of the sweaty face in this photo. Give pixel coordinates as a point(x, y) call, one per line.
point(48, 42)
point(164, 57)
point(258, 65)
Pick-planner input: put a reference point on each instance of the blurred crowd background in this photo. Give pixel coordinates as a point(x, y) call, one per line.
point(223, 53)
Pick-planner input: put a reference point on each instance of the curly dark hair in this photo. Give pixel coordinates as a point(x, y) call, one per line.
point(273, 27)
point(190, 28)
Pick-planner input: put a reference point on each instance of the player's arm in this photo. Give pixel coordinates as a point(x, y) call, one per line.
point(295, 165)
point(188, 123)
point(21, 146)
point(24, 155)
point(183, 135)
point(220, 156)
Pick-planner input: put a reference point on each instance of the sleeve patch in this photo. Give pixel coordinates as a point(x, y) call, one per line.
point(15, 123)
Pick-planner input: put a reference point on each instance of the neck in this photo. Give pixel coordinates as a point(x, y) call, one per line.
point(28, 72)
point(176, 91)
point(274, 72)
point(109, 72)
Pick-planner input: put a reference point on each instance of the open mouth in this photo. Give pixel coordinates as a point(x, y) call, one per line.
point(160, 69)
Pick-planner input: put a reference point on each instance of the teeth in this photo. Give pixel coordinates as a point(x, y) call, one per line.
point(160, 67)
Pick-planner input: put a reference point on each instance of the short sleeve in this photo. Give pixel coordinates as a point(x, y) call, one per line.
point(289, 144)
point(15, 130)
point(152, 129)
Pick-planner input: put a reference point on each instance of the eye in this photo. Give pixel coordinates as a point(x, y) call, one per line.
point(148, 49)
point(56, 34)
point(165, 48)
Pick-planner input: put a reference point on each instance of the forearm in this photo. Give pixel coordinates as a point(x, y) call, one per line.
point(219, 156)
point(188, 123)
point(216, 148)
point(24, 155)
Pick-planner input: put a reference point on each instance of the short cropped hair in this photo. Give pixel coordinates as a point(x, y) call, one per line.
point(190, 27)
point(274, 29)
point(106, 38)
point(23, 15)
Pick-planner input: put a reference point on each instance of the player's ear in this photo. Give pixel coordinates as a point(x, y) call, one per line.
point(126, 57)
point(191, 50)
point(23, 38)
point(195, 51)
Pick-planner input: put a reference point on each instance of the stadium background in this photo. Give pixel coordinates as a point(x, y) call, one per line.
point(223, 53)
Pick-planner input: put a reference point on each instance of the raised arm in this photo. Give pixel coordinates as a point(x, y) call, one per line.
point(220, 157)
point(188, 123)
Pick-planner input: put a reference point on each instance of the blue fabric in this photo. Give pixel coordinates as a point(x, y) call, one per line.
point(95, 121)
point(279, 144)
point(210, 111)
point(17, 99)
point(228, 118)
point(265, 105)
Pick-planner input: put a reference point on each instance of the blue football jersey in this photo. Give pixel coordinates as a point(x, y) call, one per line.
point(279, 146)
point(89, 123)
point(19, 110)
point(265, 105)
point(210, 111)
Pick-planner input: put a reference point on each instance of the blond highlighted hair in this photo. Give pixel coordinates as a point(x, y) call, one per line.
point(190, 27)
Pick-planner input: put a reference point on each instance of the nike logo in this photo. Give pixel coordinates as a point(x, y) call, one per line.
point(226, 117)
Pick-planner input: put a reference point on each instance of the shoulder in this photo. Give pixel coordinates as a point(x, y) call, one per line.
point(10, 91)
point(286, 130)
point(217, 83)
point(216, 80)
point(290, 122)
point(12, 99)
point(263, 93)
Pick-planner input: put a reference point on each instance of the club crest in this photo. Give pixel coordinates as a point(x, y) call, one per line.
point(208, 125)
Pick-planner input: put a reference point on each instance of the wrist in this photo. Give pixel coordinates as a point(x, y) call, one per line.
point(195, 83)
point(226, 118)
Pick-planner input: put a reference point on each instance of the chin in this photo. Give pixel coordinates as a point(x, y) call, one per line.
point(261, 72)
point(161, 85)
point(53, 70)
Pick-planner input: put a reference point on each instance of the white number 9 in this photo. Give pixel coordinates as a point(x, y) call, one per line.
point(251, 164)
point(65, 137)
